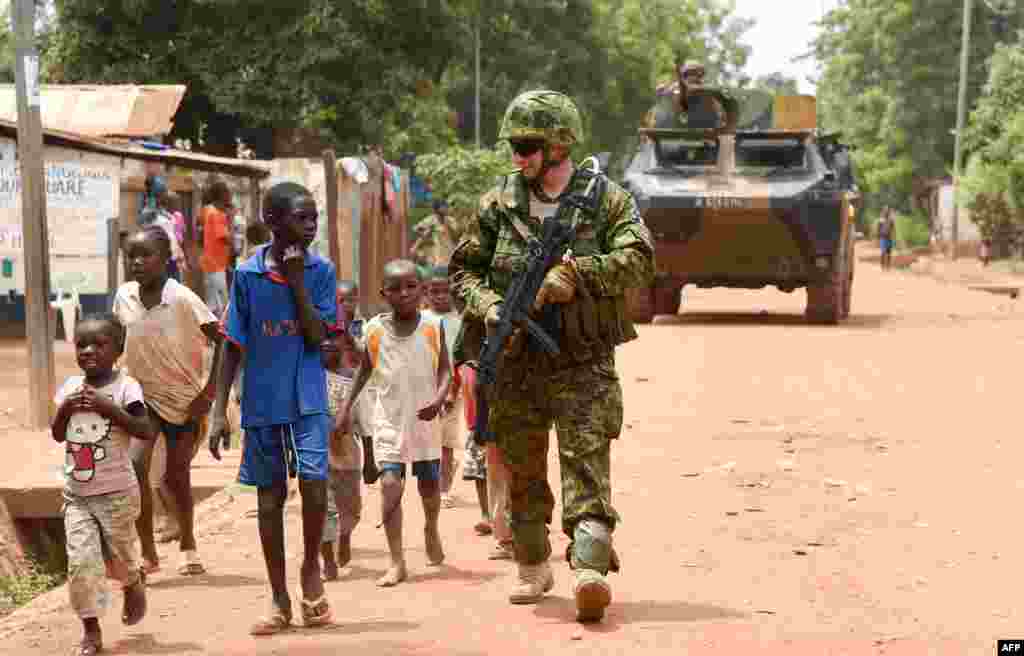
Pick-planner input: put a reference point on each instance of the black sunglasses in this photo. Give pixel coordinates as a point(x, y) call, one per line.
point(527, 147)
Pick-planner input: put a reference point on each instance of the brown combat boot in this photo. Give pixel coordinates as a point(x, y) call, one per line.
point(592, 593)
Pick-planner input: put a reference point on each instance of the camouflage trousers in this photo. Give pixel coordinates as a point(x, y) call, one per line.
point(99, 528)
point(584, 404)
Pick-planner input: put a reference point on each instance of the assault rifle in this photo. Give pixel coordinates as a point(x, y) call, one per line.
point(559, 232)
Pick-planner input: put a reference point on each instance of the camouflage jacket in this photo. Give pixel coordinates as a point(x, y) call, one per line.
point(434, 244)
point(614, 250)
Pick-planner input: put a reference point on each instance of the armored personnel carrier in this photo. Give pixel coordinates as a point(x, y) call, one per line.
point(769, 204)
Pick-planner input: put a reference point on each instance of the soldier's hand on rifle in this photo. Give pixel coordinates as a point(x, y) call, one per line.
point(559, 286)
point(493, 318)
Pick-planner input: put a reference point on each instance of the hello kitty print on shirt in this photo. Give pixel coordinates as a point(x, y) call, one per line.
point(87, 440)
point(96, 459)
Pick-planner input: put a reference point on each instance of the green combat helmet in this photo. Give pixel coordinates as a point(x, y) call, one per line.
point(542, 114)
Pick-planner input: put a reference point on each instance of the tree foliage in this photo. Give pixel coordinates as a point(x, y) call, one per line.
point(397, 73)
point(993, 187)
point(889, 84)
point(461, 175)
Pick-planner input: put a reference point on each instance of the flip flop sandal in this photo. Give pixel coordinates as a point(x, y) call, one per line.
point(276, 622)
point(190, 564)
point(131, 617)
point(316, 613)
point(89, 647)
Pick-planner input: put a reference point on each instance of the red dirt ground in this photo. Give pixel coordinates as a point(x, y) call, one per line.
point(785, 489)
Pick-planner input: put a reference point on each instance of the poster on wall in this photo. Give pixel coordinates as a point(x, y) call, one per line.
point(80, 197)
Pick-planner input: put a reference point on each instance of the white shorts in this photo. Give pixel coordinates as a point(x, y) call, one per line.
point(216, 286)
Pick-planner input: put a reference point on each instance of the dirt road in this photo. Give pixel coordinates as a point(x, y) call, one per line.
point(785, 489)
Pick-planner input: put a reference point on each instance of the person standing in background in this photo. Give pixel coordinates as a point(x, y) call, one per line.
point(217, 246)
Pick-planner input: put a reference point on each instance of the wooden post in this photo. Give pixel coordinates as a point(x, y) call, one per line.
point(113, 256)
point(331, 192)
point(33, 217)
point(255, 198)
point(404, 223)
point(367, 243)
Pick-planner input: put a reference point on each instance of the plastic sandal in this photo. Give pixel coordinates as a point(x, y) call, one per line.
point(135, 604)
point(316, 613)
point(190, 564)
point(89, 647)
point(276, 622)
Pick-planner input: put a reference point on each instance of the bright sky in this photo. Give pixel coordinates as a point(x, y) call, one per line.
point(782, 32)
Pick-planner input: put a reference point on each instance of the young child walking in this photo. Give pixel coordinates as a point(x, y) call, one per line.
point(97, 414)
point(405, 363)
point(439, 299)
point(282, 301)
point(486, 468)
point(169, 333)
point(344, 500)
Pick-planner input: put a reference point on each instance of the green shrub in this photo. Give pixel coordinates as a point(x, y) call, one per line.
point(912, 230)
point(17, 591)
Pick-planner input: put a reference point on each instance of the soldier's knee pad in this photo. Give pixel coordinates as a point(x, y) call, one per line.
point(591, 546)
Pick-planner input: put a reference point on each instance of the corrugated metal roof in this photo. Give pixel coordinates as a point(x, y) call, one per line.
point(126, 110)
point(197, 161)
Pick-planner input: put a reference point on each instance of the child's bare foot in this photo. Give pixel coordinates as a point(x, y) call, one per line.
point(393, 576)
point(134, 601)
point(432, 539)
point(344, 550)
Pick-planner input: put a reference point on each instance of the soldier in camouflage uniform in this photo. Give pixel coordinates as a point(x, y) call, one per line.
point(577, 391)
point(436, 237)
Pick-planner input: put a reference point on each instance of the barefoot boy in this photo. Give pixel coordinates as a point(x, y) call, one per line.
point(406, 364)
point(281, 303)
point(344, 501)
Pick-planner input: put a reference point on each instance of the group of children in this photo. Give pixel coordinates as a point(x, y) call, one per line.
point(324, 397)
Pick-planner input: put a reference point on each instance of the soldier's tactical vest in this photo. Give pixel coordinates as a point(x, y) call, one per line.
point(590, 327)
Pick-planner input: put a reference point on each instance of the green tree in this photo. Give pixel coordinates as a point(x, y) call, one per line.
point(355, 71)
point(461, 175)
point(889, 84)
point(993, 186)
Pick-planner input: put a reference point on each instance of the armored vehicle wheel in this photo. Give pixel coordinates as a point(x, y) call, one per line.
point(640, 304)
point(825, 300)
point(848, 291)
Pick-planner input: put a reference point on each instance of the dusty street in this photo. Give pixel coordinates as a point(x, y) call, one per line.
point(785, 489)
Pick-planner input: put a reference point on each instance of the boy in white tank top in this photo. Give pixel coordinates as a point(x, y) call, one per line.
point(405, 363)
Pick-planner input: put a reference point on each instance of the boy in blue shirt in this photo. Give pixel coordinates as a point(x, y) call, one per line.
point(281, 302)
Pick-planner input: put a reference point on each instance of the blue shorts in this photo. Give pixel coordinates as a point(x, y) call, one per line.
point(271, 453)
point(173, 431)
point(424, 470)
point(885, 245)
